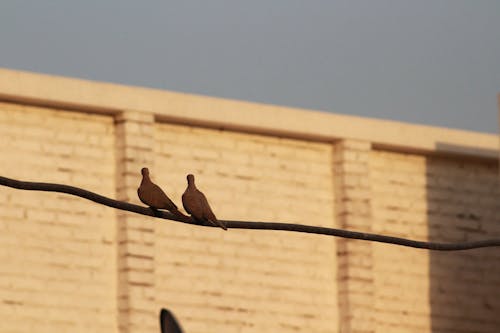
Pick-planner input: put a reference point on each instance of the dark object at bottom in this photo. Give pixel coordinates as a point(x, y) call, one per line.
point(168, 323)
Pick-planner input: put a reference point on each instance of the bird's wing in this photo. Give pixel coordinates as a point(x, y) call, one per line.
point(207, 211)
point(160, 199)
point(145, 194)
point(192, 204)
point(208, 214)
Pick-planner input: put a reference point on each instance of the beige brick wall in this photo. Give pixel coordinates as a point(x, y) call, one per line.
point(464, 204)
point(443, 200)
point(402, 302)
point(243, 280)
point(136, 234)
point(57, 252)
point(355, 258)
point(70, 265)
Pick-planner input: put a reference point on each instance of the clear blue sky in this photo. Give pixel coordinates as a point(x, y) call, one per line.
point(428, 61)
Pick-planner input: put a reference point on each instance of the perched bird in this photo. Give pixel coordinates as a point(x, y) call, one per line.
point(153, 196)
point(196, 204)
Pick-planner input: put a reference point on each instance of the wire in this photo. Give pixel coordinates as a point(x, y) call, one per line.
point(79, 192)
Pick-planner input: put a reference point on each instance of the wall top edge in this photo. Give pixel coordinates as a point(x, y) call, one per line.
point(90, 96)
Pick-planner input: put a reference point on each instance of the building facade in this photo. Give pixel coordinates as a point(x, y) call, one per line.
point(70, 265)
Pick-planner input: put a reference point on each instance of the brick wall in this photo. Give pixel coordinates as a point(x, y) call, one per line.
point(443, 200)
point(70, 265)
point(243, 280)
point(57, 252)
point(353, 212)
point(463, 200)
point(401, 280)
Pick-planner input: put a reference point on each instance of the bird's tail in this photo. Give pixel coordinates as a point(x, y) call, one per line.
point(177, 213)
point(218, 223)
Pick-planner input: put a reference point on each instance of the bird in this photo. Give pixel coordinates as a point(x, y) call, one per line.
point(152, 195)
point(196, 204)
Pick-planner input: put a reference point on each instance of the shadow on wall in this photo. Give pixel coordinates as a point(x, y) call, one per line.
point(463, 204)
point(451, 149)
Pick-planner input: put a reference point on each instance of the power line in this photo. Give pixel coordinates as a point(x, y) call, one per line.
point(79, 192)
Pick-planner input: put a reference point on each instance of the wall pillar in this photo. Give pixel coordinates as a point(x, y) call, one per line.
point(136, 300)
point(355, 258)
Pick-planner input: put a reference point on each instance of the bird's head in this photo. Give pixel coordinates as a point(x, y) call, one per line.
point(145, 171)
point(190, 179)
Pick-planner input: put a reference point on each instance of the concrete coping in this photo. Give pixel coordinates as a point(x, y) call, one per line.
point(98, 97)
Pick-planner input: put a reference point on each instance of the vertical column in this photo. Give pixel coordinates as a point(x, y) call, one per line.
point(136, 302)
point(353, 212)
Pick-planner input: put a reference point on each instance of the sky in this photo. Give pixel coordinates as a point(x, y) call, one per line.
point(434, 62)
